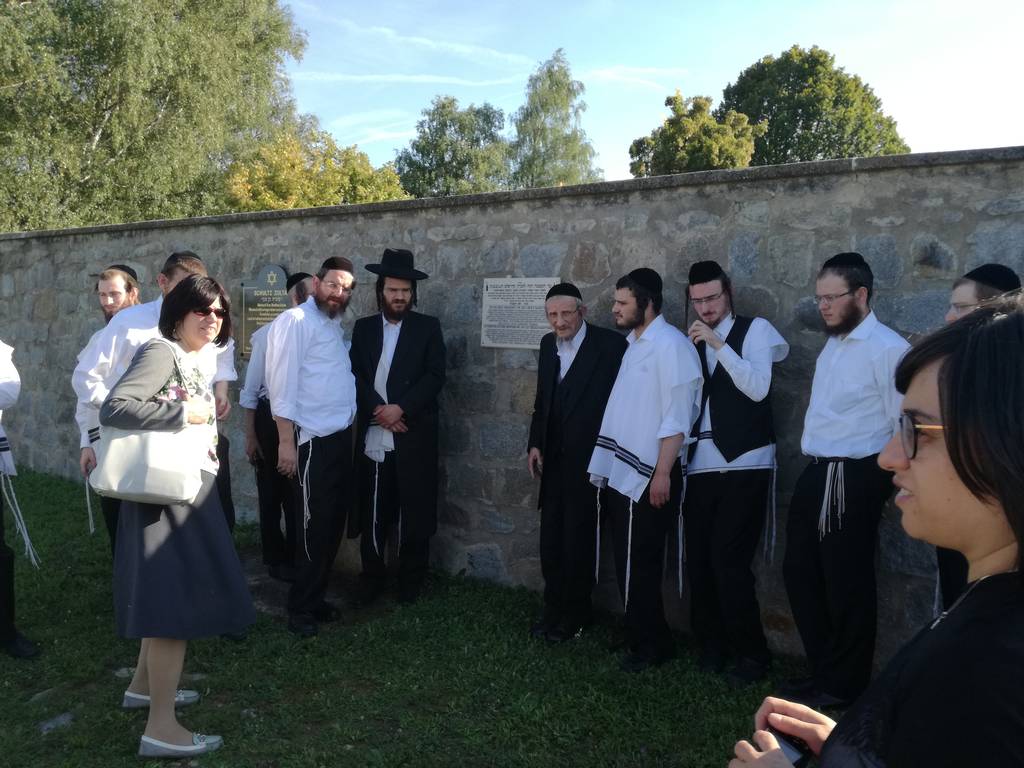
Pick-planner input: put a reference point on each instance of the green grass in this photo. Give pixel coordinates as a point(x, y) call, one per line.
point(451, 681)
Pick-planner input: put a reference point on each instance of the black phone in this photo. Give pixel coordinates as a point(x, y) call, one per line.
point(795, 750)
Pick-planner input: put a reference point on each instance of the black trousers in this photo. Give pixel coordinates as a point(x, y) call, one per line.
point(830, 579)
point(413, 554)
point(647, 631)
point(276, 494)
point(568, 541)
point(6, 584)
point(111, 509)
point(724, 514)
point(952, 574)
point(224, 479)
point(325, 479)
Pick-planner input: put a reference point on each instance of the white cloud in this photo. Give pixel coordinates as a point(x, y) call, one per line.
point(372, 117)
point(377, 136)
point(641, 76)
point(345, 77)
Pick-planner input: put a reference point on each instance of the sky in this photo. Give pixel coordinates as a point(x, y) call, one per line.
point(949, 73)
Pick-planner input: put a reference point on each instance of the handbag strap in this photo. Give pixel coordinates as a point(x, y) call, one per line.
point(174, 353)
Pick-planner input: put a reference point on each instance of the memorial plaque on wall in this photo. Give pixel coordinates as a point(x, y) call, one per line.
point(263, 299)
point(513, 314)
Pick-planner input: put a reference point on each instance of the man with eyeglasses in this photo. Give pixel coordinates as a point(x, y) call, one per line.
point(312, 395)
point(730, 474)
point(575, 372)
point(978, 285)
point(837, 502)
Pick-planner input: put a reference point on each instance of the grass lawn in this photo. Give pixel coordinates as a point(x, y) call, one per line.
point(454, 680)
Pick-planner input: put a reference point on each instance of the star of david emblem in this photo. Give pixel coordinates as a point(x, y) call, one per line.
point(272, 278)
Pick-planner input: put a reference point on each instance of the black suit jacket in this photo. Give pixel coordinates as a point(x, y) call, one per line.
point(415, 379)
point(586, 386)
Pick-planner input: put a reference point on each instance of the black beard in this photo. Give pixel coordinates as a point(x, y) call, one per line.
point(393, 316)
point(847, 322)
point(630, 323)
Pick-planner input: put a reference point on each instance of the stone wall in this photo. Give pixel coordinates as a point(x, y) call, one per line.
point(920, 220)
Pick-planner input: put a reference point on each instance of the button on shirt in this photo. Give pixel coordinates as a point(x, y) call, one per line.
point(567, 350)
point(752, 375)
point(854, 404)
point(308, 373)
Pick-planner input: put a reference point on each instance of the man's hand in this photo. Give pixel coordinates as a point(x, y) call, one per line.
point(534, 462)
point(661, 489)
point(766, 755)
point(701, 331)
point(794, 719)
point(287, 458)
point(252, 448)
point(388, 416)
point(223, 406)
point(87, 461)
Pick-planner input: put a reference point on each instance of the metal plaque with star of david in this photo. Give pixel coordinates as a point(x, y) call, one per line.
point(263, 299)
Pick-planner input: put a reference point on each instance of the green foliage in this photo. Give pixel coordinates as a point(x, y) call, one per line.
point(814, 110)
point(550, 148)
point(303, 167)
point(118, 110)
point(455, 151)
point(691, 139)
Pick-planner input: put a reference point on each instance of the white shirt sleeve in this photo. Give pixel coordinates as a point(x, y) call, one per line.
point(10, 381)
point(752, 373)
point(226, 363)
point(286, 344)
point(96, 363)
point(255, 372)
point(681, 385)
point(885, 378)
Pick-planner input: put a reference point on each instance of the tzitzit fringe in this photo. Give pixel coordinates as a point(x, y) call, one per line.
point(88, 506)
point(305, 499)
point(770, 519)
point(629, 555)
point(19, 520)
point(835, 495)
point(597, 543)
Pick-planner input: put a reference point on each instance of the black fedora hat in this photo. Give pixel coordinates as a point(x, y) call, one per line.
point(397, 263)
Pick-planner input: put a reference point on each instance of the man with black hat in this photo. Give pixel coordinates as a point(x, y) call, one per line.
point(978, 285)
point(274, 491)
point(575, 373)
point(398, 359)
point(117, 287)
point(313, 399)
point(729, 475)
point(653, 403)
point(829, 567)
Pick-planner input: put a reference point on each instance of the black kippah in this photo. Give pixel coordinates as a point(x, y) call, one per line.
point(564, 289)
point(705, 272)
point(295, 279)
point(995, 276)
point(850, 259)
point(126, 269)
point(647, 279)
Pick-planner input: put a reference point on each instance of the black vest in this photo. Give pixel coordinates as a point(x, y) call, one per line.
point(738, 424)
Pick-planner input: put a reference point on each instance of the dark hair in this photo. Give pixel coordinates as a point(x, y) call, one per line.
point(855, 277)
point(981, 399)
point(183, 260)
point(301, 290)
point(379, 290)
point(726, 288)
point(643, 295)
point(192, 293)
point(982, 291)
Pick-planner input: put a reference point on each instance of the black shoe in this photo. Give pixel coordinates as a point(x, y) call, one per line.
point(368, 593)
point(303, 625)
point(409, 593)
point(285, 573)
point(797, 686)
point(819, 699)
point(746, 672)
point(619, 641)
point(638, 662)
point(564, 632)
point(540, 628)
point(325, 613)
point(711, 662)
point(20, 647)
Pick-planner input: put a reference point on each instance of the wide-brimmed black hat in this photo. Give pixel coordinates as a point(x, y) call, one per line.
point(398, 264)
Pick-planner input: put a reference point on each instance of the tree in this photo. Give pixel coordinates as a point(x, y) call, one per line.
point(550, 147)
point(304, 167)
point(814, 110)
point(691, 139)
point(455, 151)
point(115, 110)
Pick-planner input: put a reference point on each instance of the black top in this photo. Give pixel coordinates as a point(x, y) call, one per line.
point(953, 696)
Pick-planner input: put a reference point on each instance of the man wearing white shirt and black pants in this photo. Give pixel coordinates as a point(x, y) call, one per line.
point(313, 398)
point(275, 494)
point(832, 529)
point(729, 475)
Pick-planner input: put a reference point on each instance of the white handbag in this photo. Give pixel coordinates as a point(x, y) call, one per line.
point(151, 466)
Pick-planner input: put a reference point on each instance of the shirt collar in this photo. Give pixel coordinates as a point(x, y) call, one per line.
point(650, 333)
point(384, 320)
point(310, 307)
point(864, 329)
point(723, 328)
point(575, 341)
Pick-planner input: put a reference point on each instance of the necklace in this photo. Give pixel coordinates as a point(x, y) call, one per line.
point(962, 597)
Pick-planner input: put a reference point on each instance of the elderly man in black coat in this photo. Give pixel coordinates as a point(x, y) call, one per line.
point(576, 371)
point(398, 359)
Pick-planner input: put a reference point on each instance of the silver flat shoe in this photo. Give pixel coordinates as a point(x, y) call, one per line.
point(182, 698)
point(149, 747)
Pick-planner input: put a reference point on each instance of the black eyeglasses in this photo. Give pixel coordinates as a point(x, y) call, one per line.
point(829, 298)
point(207, 311)
point(908, 433)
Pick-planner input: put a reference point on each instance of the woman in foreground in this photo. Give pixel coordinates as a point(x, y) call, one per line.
point(954, 695)
point(176, 573)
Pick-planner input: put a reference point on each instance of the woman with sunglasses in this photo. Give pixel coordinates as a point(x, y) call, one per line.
point(954, 695)
point(176, 573)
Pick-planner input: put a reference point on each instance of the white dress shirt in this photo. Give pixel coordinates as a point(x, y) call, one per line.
point(391, 334)
point(255, 385)
point(656, 395)
point(86, 416)
point(751, 373)
point(854, 406)
point(308, 372)
point(10, 388)
point(566, 350)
